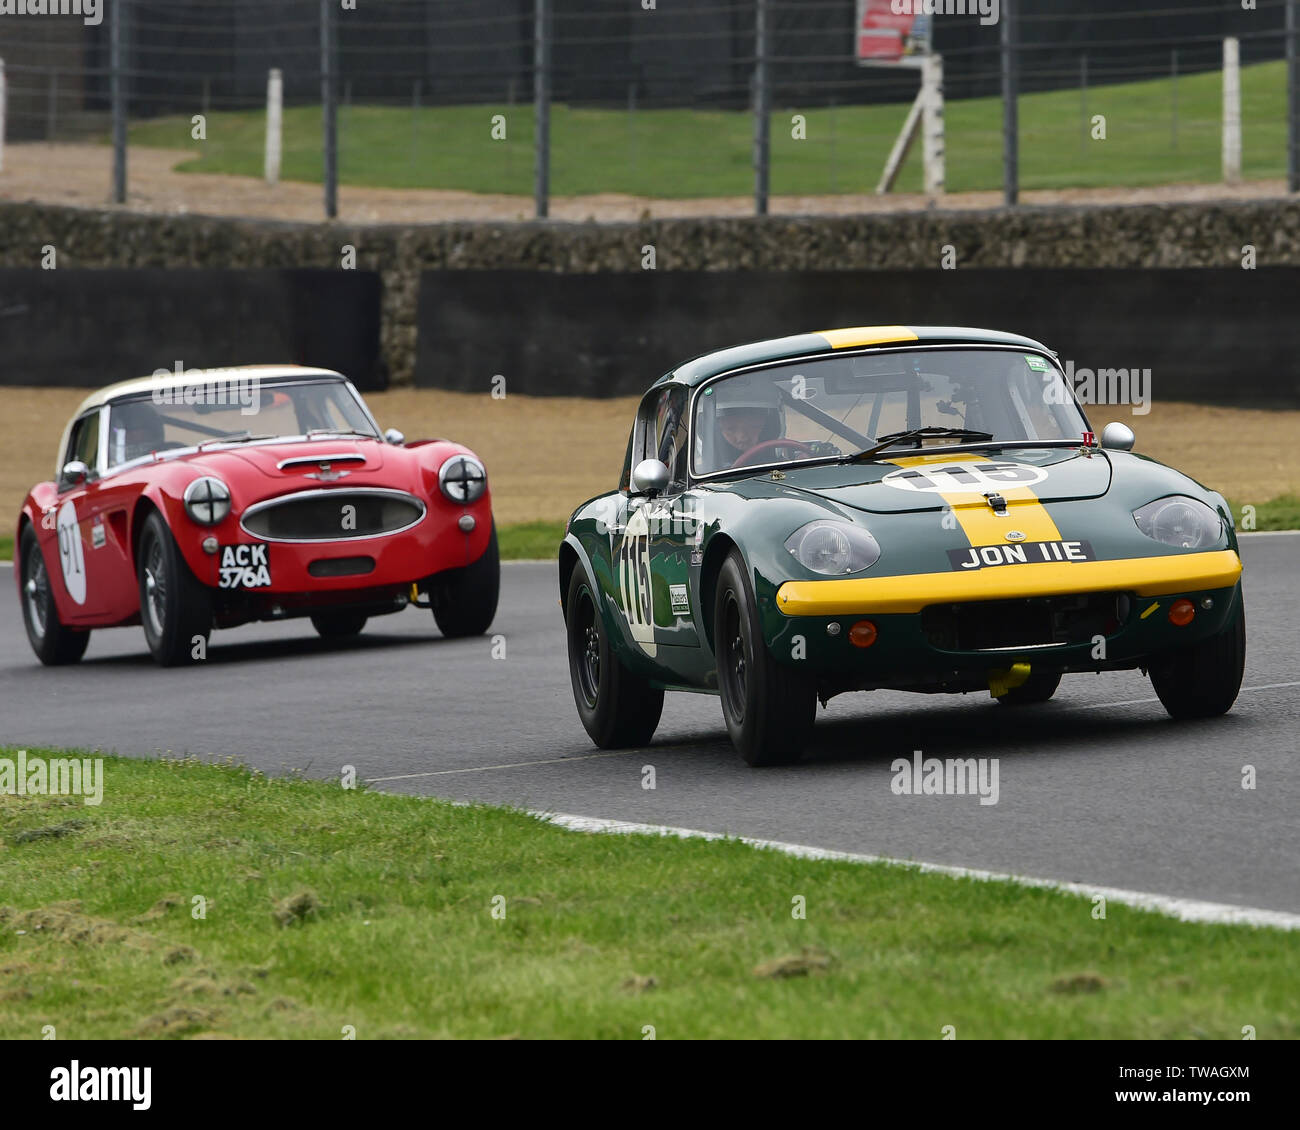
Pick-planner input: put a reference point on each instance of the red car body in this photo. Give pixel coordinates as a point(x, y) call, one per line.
point(406, 535)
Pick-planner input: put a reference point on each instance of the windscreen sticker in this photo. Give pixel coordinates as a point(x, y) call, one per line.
point(244, 567)
point(71, 556)
point(1038, 364)
point(961, 475)
point(1026, 553)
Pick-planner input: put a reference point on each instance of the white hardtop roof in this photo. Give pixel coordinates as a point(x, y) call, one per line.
point(205, 376)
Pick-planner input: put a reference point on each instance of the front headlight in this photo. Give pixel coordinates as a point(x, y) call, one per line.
point(207, 501)
point(1179, 520)
point(462, 479)
point(833, 547)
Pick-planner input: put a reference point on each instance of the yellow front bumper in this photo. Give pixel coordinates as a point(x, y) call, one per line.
point(1145, 576)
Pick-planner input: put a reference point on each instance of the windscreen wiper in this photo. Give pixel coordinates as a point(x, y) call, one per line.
point(339, 432)
point(931, 432)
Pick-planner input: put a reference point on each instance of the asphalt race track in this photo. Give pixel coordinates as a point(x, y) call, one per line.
point(1097, 786)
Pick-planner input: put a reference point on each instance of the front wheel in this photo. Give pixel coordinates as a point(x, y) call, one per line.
point(769, 707)
point(53, 643)
point(1202, 680)
point(175, 606)
point(465, 600)
point(619, 709)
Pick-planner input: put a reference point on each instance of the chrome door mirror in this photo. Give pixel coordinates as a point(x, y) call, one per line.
point(650, 477)
point(75, 472)
point(394, 437)
point(1117, 436)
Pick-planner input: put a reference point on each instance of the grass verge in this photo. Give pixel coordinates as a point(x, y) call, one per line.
point(527, 541)
point(326, 907)
point(1154, 135)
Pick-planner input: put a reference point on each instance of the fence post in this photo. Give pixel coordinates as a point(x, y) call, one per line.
point(329, 109)
point(1293, 96)
point(932, 146)
point(542, 109)
point(1231, 110)
point(4, 93)
point(1083, 101)
point(118, 101)
point(274, 124)
point(1173, 79)
point(762, 111)
point(1010, 108)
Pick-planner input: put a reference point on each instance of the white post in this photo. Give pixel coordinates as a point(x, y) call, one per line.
point(932, 124)
point(1231, 111)
point(3, 111)
point(902, 145)
point(274, 119)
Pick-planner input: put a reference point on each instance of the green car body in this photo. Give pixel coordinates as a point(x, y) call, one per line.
point(962, 596)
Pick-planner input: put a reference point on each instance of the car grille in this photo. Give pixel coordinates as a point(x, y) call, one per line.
point(342, 567)
point(333, 515)
point(1054, 621)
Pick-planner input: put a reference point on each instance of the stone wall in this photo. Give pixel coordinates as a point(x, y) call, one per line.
point(1182, 235)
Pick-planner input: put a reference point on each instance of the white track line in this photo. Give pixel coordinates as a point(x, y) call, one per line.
point(1186, 910)
point(1138, 701)
point(509, 765)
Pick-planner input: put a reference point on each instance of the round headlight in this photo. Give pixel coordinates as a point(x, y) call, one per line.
point(462, 479)
point(833, 547)
point(1179, 520)
point(207, 501)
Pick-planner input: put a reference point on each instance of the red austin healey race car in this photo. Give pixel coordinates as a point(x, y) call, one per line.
point(213, 498)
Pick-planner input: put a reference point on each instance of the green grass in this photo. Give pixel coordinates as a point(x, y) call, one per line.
point(6, 547)
point(688, 153)
point(526, 541)
point(327, 907)
point(1280, 514)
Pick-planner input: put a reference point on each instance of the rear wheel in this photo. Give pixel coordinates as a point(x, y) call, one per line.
point(1036, 688)
point(53, 643)
point(1202, 680)
point(175, 607)
point(339, 625)
point(618, 708)
point(769, 708)
point(465, 600)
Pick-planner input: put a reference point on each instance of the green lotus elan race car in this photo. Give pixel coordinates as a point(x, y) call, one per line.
point(917, 508)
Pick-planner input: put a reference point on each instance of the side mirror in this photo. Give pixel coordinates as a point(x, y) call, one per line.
point(75, 473)
point(394, 437)
point(650, 477)
point(1117, 436)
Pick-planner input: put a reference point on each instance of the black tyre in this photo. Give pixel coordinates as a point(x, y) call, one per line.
point(1036, 688)
point(53, 643)
point(339, 625)
point(618, 708)
point(769, 708)
point(175, 607)
point(465, 600)
point(1202, 680)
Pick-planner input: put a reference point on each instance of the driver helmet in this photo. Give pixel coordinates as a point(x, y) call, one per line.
point(137, 431)
point(747, 412)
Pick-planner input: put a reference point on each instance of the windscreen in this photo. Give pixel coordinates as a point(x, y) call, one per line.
point(840, 405)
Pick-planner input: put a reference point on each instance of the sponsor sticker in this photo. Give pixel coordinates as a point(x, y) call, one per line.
point(244, 567)
point(1037, 363)
point(964, 476)
point(1026, 553)
point(681, 601)
point(98, 536)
